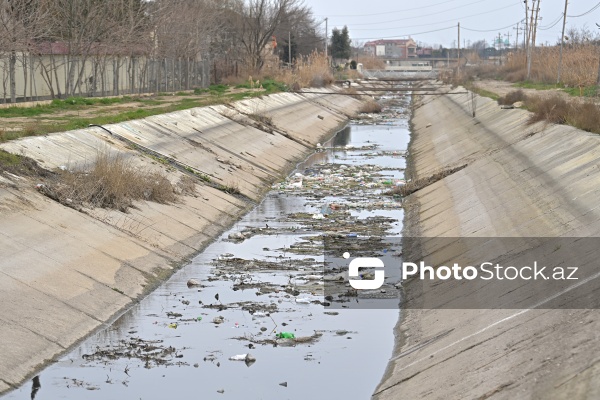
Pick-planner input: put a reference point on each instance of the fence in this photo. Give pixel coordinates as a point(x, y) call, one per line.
point(60, 76)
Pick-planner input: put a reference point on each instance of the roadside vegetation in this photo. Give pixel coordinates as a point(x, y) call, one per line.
point(554, 109)
point(574, 100)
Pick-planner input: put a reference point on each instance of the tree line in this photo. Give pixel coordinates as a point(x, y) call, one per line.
point(145, 41)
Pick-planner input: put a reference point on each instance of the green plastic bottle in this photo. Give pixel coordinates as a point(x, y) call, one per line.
point(285, 335)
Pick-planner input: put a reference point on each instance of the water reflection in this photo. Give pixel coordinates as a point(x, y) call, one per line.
point(36, 385)
point(343, 138)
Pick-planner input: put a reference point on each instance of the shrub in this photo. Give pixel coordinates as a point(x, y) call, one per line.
point(512, 97)
point(370, 107)
point(586, 116)
point(111, 182)
point(552, 109)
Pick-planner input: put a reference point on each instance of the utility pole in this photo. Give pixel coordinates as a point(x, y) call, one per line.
point(517, 39)
point(537, 18)
point(508, 35)
point(598, 80)
point(562, 42)
point(499, 48)
point(529, 23)
point(532, 34)
point(290, 48)
point(458, 55)
point(326, 37)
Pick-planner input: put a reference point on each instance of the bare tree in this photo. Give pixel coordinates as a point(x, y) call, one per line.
point(257, 23)
point(298, 21)
point(21, 23)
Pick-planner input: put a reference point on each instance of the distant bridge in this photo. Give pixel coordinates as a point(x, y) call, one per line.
point(399, 74)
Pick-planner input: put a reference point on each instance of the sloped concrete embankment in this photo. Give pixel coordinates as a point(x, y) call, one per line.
point(520, 180)
point(64, 273)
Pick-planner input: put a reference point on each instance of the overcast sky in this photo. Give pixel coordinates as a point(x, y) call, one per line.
point(433, 22)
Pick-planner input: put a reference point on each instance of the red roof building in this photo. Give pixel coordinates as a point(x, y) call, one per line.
point(395, 48)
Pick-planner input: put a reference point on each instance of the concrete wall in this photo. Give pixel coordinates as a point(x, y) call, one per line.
point(36, 75)
point(64, 273)
point(521, 180)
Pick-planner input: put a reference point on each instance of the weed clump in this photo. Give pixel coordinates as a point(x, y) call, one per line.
point(370, 107)
point(112, 182)
point(584, 116)
point(512, 97)
point(552, 109)
point(418, 184)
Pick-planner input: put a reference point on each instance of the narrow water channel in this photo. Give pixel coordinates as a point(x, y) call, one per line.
point(261, 278)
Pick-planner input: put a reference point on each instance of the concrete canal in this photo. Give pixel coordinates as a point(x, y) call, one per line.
point(246, 320)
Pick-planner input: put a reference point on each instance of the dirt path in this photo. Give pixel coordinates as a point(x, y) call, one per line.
point(502, 88)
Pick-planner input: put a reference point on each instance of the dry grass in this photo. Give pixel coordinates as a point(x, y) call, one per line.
point(552, 109)
point(585, 116)
point(309, 71)
point(372, 63)
point(512, 97)
point(231, 188)
point(579, 68)
point(111, 182)
point(186, 186)
point(413, 186)
point(370, 107)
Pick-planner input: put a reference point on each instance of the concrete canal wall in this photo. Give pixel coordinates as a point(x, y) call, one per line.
point(520, 180)
point(65, 273)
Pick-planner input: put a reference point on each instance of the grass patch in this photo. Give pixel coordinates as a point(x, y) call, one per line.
point(575, 91)
point(588, 91)
point(268, 84)
point(483, 92)
point(535, 85)
point(8, 159)
point(15, 112)
point(218, 95)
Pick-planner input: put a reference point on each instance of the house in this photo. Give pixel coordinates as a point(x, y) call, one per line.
point(424, 52)
point(395, 48)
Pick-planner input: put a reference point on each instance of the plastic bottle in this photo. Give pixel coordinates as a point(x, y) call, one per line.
point(285, 335)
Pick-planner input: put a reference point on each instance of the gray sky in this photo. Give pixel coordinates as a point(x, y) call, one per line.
point(377, 19)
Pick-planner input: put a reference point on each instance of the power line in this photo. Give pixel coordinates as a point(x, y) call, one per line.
point(436, 23)
point(428, 15)
point(490, 30)
point(553, 23)
point(401, 11)
point(585, 13)
point(407, 34)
